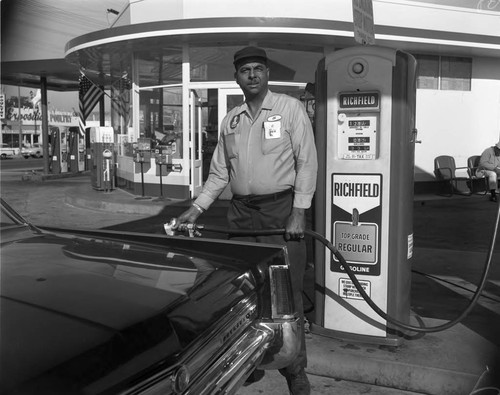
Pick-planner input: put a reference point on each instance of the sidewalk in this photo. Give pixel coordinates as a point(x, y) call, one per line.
point(442, 363)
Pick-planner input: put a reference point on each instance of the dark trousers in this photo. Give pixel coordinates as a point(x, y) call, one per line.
point(259, 215)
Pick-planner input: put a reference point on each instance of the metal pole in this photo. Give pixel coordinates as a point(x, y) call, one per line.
point(45, 126)
point(161, 183)
point(102, 115)
point(19, 118)
point(142, 182)
point(159, 198)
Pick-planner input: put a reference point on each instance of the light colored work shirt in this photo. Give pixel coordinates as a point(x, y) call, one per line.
point(268, 154)
point(489, 161)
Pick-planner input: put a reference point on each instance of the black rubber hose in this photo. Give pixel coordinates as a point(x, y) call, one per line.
point(352, 276)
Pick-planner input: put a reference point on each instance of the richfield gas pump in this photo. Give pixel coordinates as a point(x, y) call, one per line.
point(365, 134)
point(73, 142)
point(102, 173)
point(59, 142)
point(76, 150)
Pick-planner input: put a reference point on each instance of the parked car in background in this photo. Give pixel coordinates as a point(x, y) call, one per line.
point(7, 152)
point(35, 151)
point(104, 312)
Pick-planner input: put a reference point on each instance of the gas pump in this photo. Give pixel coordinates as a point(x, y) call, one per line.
point(365, 120)
point(107, 173)
point(88, 151)
point(81, 153)
point(54, 164)
point(102, 173)
point(73, 155)
point(59, 151)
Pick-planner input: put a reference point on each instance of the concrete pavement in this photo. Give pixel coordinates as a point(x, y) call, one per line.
point(443, 363)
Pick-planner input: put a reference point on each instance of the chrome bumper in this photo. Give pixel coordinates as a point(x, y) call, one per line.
point(264, 345)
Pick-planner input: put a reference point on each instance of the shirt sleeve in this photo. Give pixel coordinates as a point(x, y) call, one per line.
point(218, 177)
point(306, 162)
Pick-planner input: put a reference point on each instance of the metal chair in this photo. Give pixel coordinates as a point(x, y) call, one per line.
point(445, 171)
point(478, 183)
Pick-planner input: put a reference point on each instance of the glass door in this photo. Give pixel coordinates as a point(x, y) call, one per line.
point(228, 99)
point(196, 104)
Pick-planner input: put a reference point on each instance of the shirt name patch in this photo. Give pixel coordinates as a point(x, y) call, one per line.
point(273, 118)
point(272, 130)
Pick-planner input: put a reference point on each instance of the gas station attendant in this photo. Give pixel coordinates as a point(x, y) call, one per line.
point(266, 153)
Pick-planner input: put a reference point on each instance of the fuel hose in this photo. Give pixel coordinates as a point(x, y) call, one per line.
point(419, 329)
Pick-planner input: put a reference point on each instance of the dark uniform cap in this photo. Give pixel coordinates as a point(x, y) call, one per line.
point(249, 53)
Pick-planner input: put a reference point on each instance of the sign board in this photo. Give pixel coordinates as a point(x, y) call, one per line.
point(177, 167)
point(349, 291)
point(356, 221)
point(2, 106)
point(357, 100)
point(362, 15)
point(356, 243)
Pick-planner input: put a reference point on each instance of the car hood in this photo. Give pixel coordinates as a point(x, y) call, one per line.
point(79, 307)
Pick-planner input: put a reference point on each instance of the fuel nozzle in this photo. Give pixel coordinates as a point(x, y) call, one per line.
point(172, 229)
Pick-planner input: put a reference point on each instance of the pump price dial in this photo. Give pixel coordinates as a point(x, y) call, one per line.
point(359, 140)
point(362, 123)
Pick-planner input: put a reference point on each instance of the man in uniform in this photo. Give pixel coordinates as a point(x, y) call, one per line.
point(266, 153)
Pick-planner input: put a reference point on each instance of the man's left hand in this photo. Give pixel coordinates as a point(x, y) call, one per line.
point(295, 224)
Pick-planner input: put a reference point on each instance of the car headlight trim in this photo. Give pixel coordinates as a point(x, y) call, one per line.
point(180, 379)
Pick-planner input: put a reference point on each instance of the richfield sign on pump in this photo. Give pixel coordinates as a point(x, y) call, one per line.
point(356, 209)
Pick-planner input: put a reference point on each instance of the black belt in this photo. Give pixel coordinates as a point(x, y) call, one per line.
point(253, 201)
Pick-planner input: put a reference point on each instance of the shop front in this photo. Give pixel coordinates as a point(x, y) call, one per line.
point(177, 99)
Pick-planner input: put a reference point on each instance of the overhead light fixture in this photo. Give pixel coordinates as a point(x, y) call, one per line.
point(112, 11)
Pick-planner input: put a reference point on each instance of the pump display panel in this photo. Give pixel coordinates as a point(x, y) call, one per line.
point(357, 136)
point(357, 125)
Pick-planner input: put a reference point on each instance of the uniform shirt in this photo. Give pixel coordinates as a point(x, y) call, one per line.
point(269, 154)
point(489, 161)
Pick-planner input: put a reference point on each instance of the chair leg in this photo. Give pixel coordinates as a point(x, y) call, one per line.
point(458, 191)
point(445, 188)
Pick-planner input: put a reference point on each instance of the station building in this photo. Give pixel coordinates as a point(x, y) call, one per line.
point(168, 65)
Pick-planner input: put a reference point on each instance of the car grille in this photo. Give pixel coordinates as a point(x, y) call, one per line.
point(281, 292)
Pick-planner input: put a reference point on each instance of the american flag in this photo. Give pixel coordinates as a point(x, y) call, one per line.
point(89, 94)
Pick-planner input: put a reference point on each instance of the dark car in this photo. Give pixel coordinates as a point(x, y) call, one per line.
point(103, 312)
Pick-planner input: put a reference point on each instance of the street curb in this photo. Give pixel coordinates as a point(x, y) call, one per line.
point(35, 176)
point(146, 207)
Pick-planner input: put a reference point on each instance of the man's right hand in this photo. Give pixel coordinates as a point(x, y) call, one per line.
point(189, 216)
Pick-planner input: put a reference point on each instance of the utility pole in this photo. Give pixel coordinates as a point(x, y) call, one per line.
point(19, 118)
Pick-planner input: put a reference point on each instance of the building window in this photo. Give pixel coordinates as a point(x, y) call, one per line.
point(159, 66)
point(160, 117)
point(444, 72)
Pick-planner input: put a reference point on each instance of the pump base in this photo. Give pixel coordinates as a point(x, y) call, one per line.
point(352, 337)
